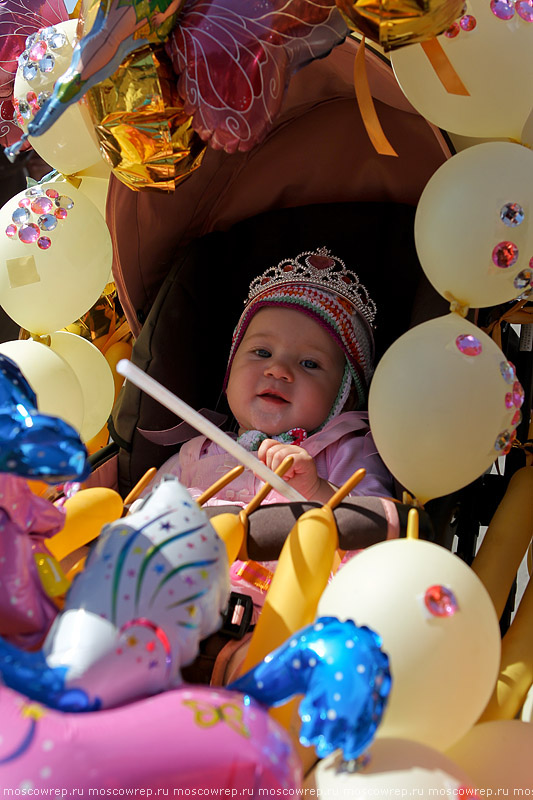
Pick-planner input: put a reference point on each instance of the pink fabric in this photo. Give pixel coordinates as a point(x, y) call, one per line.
point(344, 445)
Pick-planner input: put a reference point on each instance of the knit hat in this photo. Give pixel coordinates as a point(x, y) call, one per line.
point(318, 284)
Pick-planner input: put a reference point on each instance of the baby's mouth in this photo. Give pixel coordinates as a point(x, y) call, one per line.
point(272, 397)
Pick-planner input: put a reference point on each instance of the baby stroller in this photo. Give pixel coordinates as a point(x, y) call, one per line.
point(182, 277)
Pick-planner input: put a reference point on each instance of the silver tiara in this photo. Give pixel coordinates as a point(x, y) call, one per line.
point(321, 269)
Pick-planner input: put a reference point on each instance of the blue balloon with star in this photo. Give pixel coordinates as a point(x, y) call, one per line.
point(35, 445)
point(344, 676)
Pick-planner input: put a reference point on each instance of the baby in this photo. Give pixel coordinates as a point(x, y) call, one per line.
point(297, 377)
point(296, 383)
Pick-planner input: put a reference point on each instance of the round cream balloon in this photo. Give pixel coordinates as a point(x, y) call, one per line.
point(443, 405)
point(94, 375)
point(55, 256)
point(54, 382)
point(494, 60)
point(474, 224)
point(498, 756)
point(395, 768)
point(439, 629)
point(71, 143)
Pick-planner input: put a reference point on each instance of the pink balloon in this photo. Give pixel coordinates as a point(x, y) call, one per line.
point(235, 59)
point(188, 738)
point(19, 19)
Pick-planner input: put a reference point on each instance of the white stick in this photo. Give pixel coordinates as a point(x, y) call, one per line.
point(181, 409)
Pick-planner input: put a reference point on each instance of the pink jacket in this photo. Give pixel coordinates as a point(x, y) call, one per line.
point(344, 445)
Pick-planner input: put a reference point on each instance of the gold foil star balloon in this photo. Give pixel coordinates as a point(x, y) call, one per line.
point(395, 23)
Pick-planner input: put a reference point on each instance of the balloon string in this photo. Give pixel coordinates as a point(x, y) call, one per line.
point(443, 67)
point(456, 307)
point(367, 109)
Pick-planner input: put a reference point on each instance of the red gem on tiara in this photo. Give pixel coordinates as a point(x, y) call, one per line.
point(288, 268)
point(320, 262)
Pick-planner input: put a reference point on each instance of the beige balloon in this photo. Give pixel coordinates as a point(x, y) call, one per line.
point(54, 382)
point(494, 61)
point(460, 220)
point(440, 417)
point(45, 290)
point(94, 375)
point(443, 667)
point(498, 756)
point(71, 143)
point(395, 768)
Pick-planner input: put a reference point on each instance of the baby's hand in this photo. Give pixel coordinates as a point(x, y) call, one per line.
point(302, 475)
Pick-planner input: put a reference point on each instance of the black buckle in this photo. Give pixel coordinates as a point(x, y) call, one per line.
point(238, 615)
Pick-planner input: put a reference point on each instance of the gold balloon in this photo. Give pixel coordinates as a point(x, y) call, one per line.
point(144, 133)
point(395, 23)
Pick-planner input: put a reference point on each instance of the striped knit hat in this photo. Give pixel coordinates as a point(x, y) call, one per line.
point(318, 284)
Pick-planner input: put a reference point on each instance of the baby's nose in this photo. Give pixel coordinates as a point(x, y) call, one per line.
point(280, 370)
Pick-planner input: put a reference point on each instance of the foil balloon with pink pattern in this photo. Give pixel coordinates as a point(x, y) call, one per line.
point(188, 738)
point(153, 587)
point(233, 59)
point(19, 20)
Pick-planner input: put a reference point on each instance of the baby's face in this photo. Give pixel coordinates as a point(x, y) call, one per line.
point(286, 373)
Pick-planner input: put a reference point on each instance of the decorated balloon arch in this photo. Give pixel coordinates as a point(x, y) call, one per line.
point(149, 87)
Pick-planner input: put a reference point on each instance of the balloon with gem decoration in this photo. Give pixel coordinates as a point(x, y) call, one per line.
point(474, 225)
point(437, 624)
point(71, 144)
point(444, 403)
point(491, 49)
point(19, 19)
point(55, 257)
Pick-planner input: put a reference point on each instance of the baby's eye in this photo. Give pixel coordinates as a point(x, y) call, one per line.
point(262, 352)
point(308, 363)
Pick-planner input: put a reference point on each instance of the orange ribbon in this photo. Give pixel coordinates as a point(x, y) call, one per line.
point(366, 106)
point(444, 68)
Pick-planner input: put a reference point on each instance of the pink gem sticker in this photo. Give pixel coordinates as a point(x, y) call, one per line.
point(524, 9)
point(505, 254)
point(469, 345)
point(11, 231)
point(29, 233)
point(452, 31)
point(42, 205)
point(518, 394)
point(61, 213)
point(44, 242)
point(467, 22)
point(509, 402)
point(24, 202)
point(503, 9)
point(52, 193)
point(440, 601)
point(38, 51)
point(516, 418)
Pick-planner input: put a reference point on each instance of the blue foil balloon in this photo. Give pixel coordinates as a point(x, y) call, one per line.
point(344, 675)
point(35, 445)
